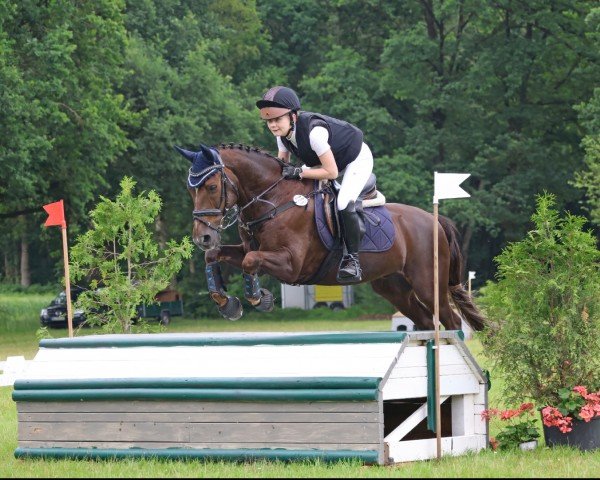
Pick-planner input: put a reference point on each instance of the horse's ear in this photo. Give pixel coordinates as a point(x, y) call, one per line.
point(206, 151)
point(186, 153)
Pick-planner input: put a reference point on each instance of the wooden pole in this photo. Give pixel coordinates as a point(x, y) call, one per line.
point(67, 280)
point(436, 322)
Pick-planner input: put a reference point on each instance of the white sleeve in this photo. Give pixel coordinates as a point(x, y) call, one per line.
point(280, 146)
point(319, 140)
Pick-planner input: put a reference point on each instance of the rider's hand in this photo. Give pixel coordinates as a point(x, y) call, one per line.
point(291, 172)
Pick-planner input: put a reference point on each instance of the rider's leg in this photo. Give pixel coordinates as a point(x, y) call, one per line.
point(352, 228)
point(355, 177)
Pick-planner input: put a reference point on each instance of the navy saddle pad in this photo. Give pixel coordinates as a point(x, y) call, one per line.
point(377, 238)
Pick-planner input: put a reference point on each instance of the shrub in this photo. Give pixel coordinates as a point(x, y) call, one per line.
point(120, 255)
point(544, 310)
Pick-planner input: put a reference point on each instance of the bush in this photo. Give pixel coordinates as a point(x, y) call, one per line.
point(544, 311)
point(121, 261)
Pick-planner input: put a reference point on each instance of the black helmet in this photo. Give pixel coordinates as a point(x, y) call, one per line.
point(278, 101)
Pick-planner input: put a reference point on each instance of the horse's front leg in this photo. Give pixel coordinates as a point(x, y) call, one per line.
point(231, 254)
point(277, 263)
point(229, 306)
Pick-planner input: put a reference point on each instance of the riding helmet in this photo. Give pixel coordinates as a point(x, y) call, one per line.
point(277, 102)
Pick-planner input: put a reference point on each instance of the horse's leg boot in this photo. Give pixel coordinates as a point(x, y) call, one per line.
point(350, 271)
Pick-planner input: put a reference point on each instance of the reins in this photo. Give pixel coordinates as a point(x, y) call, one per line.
point(296, 202)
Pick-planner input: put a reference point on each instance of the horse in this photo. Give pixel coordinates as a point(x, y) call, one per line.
point(277, 229)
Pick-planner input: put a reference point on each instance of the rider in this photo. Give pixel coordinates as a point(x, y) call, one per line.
point(328, 147)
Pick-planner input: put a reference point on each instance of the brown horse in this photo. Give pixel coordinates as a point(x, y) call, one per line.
point(279, 238)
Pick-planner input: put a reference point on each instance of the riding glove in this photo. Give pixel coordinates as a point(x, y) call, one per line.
point(292, 173)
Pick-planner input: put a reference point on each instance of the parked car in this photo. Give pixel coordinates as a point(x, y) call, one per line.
point(170, 304)
point(55, 314)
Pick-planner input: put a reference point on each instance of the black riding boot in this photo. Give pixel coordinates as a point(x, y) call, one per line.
point(349, 271)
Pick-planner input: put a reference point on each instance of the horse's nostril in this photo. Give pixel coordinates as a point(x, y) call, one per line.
point(206, 240)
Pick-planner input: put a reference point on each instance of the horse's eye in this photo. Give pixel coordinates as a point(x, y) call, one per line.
point(212, 188)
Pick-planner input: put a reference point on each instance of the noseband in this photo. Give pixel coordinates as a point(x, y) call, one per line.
point(229, 215)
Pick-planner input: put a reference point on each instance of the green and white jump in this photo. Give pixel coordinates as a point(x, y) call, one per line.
point(239, 396)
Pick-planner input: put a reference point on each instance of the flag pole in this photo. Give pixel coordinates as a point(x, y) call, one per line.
point(63, 229)
point(56, 218)
point(446, 185)
point(436, 322)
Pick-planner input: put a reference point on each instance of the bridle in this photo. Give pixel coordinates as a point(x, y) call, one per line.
point(232, 213)
point(229, 214)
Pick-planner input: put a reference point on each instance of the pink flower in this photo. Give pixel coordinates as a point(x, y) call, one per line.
point(487, 414)
point(553, 418)
point(580, 390)
point(587, 413)
point(526, 406)
point(508, 414)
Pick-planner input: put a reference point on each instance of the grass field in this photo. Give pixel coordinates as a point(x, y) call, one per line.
point(19, 320)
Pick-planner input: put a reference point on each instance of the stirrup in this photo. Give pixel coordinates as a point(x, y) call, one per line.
point(349, 270)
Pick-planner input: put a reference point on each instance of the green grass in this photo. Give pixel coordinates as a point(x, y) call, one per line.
point(19, 320)
point(20, 312)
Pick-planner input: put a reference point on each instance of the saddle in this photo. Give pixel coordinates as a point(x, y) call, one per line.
point(379, 231)
point(369, 197)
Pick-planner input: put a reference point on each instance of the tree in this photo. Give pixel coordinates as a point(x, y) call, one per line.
point(544, 310)
point(589, 113)
point(61, 119)
point(122, 262)
point(589, 179)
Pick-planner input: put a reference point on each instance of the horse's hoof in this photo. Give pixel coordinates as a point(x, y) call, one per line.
point(232, 310)
point(267, 302)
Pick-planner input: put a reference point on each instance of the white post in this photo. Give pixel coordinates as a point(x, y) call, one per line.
point(436, 323)
point(471, 277)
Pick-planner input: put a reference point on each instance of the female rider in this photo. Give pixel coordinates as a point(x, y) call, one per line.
point(328, 147)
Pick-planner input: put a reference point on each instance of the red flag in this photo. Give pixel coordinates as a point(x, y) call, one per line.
point(56, 214)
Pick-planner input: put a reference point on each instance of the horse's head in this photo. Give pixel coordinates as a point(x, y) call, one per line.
point(214, 196)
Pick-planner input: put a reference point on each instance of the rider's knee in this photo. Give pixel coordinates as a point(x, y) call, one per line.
point(343, 202)
point(348, 204)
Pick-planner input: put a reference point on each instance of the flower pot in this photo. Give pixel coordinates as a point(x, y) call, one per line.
point(531, 445)
point(584, 435)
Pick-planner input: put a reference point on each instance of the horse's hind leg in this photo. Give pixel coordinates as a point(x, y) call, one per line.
point(396, 290)
point(425, 295)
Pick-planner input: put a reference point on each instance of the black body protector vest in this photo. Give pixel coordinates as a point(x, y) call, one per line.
point(344, 138)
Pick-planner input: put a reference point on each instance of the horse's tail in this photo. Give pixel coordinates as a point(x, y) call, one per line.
point(459, 295)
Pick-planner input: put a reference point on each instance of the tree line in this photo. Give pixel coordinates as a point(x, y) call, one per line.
point(94, 91)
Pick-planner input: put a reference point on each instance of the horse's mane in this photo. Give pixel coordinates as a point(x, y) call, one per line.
point(241, 146)
point(256, 150)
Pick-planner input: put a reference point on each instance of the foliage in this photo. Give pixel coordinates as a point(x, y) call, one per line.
point(520, 425)
point(97, 90)
point(573, 403)
point(121, 261)
point(545, 308)
point(588, 178)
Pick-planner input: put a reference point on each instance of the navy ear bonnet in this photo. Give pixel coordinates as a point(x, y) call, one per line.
point(205, 163)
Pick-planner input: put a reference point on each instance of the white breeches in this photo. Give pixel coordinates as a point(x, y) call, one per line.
point(355, 177)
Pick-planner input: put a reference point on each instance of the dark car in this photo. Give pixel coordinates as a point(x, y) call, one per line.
point(55, 314)
point(169, 304)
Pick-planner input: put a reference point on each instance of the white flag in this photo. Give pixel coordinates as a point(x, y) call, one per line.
point(446, 185)
point(471, 275)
